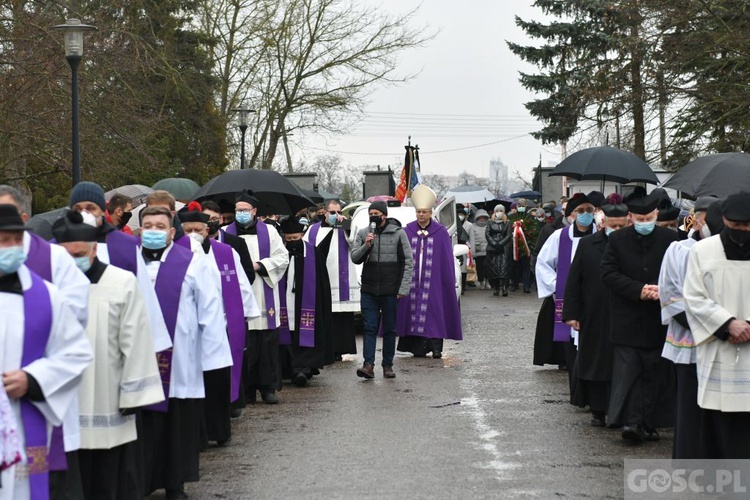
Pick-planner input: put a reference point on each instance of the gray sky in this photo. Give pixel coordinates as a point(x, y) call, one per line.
point(466, 95)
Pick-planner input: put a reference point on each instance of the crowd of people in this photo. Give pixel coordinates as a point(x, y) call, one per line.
point(124, 356)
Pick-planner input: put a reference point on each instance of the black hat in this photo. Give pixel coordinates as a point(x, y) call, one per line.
point(72, 228)
point(664, 201)
point(10, 219)
point(577, 200)
point(192, 213)
point(668, 213)
point(702, 203)
point(737, 207)
point(596, 198)
point(292, 225)
point(88, 191)
point(638, 192)
point(643, 206)
point(618, 210)
point(380, 206)
point(714, 219)
point(247, 196)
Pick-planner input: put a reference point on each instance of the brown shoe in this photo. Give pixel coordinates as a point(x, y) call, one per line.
point(367, 371)
point(388, 372)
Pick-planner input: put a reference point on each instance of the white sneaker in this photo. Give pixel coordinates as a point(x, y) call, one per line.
point(481, 287)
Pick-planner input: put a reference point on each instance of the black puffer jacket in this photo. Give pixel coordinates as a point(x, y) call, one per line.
point(499, 250)
point(387, 264)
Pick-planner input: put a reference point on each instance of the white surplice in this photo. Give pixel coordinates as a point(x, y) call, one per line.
point(249, 304)
point(546, 266)
point(200, 339)
point(717, 289)
point(124, 373)
point(58, 373)
point(352, 304)
point(275, 265)
point(679, 346)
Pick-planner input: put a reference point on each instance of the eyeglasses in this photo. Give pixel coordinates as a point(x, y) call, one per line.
point(243, 211)
point(588, 210)
point(333, 212)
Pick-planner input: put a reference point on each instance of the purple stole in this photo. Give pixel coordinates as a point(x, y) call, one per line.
point(184, 242)
point(306, 315)
point(264, 251)
point(235, 312)
point(123, 251)
point(564, 252)
point(37, 311)
point(420, 290)
point(39, 261)
point(168, 287)
point(343, 259)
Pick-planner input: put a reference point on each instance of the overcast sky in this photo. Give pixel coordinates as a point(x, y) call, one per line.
point(466, 96)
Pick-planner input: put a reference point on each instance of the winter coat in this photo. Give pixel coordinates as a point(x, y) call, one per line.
point(499, 250)
point(387, 264)
point(479, 234)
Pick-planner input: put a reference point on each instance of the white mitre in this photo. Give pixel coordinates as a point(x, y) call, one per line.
point(423, 197)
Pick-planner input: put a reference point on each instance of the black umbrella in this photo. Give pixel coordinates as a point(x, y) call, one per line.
point(717, 175)
point(605, 163)
point(41, 224)
point(276, 193)
point(527, 194)
point(313, 195)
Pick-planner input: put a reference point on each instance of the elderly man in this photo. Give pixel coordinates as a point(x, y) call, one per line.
point(642, 396)
point(430, 312)
point(44, 354)
point(717, 285)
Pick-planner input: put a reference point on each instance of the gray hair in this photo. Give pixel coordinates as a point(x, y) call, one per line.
point(22, 201)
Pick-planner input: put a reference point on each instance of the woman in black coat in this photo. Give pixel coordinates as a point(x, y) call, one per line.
point(499, 251)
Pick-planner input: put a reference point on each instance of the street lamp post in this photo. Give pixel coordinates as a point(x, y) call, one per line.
point(73, 30)
point(244, 114)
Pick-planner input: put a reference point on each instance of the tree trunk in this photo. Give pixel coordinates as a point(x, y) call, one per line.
point(639, 128)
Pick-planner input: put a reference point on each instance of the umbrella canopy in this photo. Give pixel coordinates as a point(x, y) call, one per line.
point(313, 195)
point(277, 194)
point(181, 189)
point(137, 192)
point(470, 193)
point(717, 175)
point(605, 163)
point(527, 194)
point(41, 224)
point(381, 197)
point(135, 220)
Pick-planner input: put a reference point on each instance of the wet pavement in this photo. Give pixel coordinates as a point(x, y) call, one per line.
point(482, 422)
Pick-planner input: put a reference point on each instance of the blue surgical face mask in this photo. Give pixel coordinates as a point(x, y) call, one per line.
point(644, 228)
point(521, 209)
point(304, 221)
point(11, 258)
point(609, 231)
point(153, 239)
point(585, 219)
point(243, 218)
point(332, 219)
point(83, 263)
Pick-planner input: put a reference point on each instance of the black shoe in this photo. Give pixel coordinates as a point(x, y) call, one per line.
point(496, 292)
point(633, 432)
point(526, 289)
point(270, 397)
point(652, 435)
point(597, 421)
point(176, 494)
point(514, 288)
point(505, 291)
point(222, 444)
point(300, 380)
point(236, 413)
point(437, 355)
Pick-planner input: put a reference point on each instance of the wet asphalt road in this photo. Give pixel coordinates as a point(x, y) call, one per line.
point(482, 422)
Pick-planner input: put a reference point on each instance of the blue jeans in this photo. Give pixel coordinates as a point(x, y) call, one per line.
point(372, 306)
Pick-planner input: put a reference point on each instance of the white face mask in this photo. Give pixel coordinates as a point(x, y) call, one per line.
point(197, 237)
point(705, 231)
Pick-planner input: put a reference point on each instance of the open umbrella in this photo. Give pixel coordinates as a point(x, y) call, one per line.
point(41, 224)
point(137, 192)
point(470, 193)
point(276, 193)
point(605, 163)
point(181, 189)
point(717, 175)
point(526, 194)
point(313, 195)
point(135, 220)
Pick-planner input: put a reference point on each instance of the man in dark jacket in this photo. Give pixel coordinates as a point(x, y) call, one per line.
point(385, 252)
point(642, 381)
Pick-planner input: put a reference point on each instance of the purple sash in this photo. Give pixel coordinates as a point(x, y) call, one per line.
point(306, 315)
point(168, 287)
point(564, 251)
point(343, 259)
point(38, 323)
point(184, 242)
point(264, 251)
point(123, 251)
point(230, 291)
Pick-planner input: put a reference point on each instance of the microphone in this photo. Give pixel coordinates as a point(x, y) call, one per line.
point(372, 227)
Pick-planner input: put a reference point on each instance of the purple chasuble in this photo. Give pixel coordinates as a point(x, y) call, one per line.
point(431, 308)
point(306, 316)
point(564, 252)
point(264, 251)
point(37, 311)
point(343, 258)
point(169, 282)
point(123, 251)
point(235, 312)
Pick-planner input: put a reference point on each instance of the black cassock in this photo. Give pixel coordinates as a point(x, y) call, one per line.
point(309, 360)
point(587, 301)
point(643, 383)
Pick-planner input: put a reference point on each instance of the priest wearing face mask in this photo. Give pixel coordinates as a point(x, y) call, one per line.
point(306, 346)
point(222, 385)
point(642, 396)
point(716, 291)
point(555, 341)
point(193, 310)
point(270, 260)
point(330, 239)
point(586, 310)
point(216, 232)
point(124, 375)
